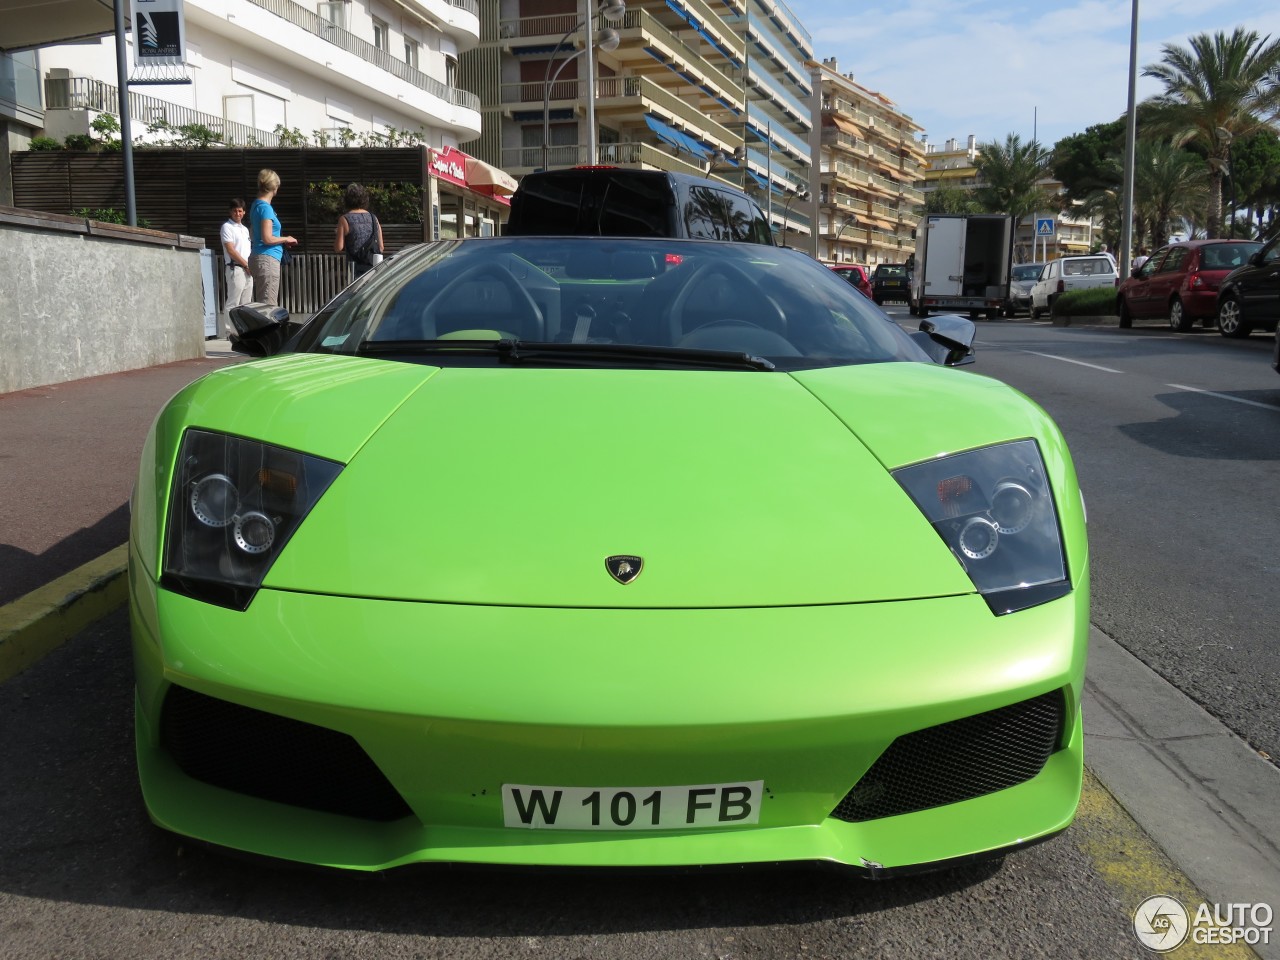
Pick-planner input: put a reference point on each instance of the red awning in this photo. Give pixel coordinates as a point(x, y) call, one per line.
point(489, 180)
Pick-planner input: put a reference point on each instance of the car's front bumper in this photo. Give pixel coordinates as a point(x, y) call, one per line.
point(451, 702)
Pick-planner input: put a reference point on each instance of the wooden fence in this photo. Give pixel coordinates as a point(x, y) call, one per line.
point(186, 191)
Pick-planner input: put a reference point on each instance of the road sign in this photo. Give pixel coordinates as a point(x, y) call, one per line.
point(1044, 227)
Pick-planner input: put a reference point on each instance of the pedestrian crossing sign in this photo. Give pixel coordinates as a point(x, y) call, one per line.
point(1044, 227)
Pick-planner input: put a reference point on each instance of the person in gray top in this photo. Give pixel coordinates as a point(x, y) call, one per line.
point(359, 234)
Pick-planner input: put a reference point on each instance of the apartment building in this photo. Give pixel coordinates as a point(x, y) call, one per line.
point(715, 88)
point(954, 165)
point(870, 169)
point(284, 73)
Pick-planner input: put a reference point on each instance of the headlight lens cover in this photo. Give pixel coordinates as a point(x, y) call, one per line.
point(994, 509)
point(234, 505)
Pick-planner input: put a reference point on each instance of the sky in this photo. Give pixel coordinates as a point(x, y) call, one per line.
point(995, 67)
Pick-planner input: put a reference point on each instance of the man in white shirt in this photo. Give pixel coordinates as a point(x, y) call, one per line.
point(235, 258)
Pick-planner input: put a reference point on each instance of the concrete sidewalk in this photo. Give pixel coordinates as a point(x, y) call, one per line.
point(68, 458)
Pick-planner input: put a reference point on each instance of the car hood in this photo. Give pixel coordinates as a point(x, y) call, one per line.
point(512, 486)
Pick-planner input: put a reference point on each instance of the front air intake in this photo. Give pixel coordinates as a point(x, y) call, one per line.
point(276, 758)
point(960, 760)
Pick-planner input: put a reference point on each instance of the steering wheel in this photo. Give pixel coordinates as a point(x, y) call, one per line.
point(748, 299)
point(526, 315)
point(738, 335)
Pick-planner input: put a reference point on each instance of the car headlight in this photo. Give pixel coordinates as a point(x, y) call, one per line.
point(233, 507)
point(994, 508)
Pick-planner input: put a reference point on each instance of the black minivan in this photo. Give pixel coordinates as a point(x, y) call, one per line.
point(622, 202)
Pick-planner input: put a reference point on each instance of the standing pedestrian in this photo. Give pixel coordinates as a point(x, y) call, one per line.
point(235, 259)
point(1140, 259)
point(358, 234)
point(267, 245)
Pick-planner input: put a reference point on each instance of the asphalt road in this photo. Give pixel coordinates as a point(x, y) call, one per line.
point(1176, 439)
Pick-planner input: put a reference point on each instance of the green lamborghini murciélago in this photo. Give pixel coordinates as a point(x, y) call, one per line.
point(580, 551)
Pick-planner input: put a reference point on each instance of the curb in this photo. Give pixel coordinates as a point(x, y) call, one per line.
point(32, 626)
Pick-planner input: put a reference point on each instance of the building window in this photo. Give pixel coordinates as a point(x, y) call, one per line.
point(451, 71)
point(334, 12)
point(411, 52)
point(381, 34)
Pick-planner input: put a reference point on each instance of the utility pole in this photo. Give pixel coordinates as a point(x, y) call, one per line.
point(1130, 142)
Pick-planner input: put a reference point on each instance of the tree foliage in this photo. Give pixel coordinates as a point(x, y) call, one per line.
point(1010, 174)
point(1255, 178)
point(1081, 161)
point(1218, 89)
point(944, 199)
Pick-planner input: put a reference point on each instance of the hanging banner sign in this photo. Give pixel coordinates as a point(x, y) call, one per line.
point(159, 33)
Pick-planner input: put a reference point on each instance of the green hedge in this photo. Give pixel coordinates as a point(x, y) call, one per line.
point(1094, 302)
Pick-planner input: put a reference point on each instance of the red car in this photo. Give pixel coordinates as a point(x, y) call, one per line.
point(856, 274)
point(1179, 284)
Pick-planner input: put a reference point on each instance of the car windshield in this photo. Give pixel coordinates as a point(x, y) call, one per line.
point(891, 270)
point(1027, 271)
point(1227, 256)
point(604, 301)
point(1086, 266)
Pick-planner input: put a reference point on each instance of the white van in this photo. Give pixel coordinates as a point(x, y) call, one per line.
point(1071, 273)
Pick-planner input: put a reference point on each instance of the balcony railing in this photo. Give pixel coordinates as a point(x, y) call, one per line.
point(83, 93)
point(621, 88)
point(302, 17)
point(694, 59)
point(524, 159)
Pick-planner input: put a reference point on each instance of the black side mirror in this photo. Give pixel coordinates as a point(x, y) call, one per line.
point(261, 329)
point(1256, 258)
point(948, 339)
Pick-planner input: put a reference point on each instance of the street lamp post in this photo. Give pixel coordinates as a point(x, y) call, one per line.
point(801, 195)
point(849, 221)
point(608, 40)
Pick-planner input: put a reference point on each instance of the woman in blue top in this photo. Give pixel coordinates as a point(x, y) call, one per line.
point(267, 246)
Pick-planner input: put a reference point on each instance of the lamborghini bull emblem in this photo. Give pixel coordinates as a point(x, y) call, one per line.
point(623, 568)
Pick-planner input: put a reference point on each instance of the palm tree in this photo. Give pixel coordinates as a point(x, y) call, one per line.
point(1220, 88)
point(1172, 183)
point(1010, 174)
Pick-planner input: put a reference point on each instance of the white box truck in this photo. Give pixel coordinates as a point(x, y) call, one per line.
point(962, 264)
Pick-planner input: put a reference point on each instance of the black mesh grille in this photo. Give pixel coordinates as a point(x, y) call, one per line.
point(274, 758)
point(956, 761)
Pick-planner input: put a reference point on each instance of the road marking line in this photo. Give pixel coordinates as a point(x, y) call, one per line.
point(1224, 396)
point(1069, 360)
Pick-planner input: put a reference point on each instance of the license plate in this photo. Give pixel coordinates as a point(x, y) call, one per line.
point(631, 808)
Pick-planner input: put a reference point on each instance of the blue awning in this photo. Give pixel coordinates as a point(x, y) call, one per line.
point(677, 139)
point(763, 184)
point(666, 132)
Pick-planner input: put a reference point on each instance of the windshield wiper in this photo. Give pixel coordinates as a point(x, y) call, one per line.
point(526, 351)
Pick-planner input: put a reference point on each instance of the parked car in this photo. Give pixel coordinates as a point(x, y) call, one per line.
point(621, 202)
point(1179, 283)
point(1249, 298)
point(1021, 280)
point(608, 552)
point(1071, 273)
point(891, 281)
point(856, 274)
